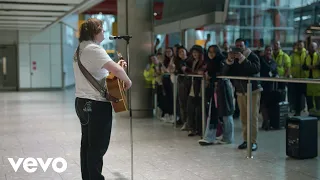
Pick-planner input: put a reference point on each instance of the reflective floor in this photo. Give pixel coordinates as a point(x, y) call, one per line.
point(44, 125)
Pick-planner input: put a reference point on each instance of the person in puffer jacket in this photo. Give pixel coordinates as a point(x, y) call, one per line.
point(224, 97)
point(246, 64)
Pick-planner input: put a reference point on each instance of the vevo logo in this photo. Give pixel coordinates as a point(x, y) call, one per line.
point(30, 165)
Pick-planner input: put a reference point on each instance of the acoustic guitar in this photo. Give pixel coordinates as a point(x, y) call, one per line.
point(115, 88)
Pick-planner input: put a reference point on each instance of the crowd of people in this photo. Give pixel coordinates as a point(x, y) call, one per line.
point(226, 99)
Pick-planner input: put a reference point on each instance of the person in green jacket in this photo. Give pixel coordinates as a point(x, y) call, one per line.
point(149, 73)
point(283, 66)
point(311, 66)
point(298, 89)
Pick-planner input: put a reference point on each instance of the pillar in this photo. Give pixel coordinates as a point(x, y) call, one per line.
point(140, 28)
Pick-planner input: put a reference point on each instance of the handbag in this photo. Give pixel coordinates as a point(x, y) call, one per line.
point(93, 81)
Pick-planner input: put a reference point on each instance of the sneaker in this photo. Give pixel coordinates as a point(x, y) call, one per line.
point(222, 141)
point(203, 142)
point(219, 137)
point(164, 118)
point(254, 146)
point(184, 127)
point(192, 133)
point(159, 113)
point(170, 119)
point(243, 145)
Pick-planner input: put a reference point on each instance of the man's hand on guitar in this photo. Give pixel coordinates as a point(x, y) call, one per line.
point(122, 63)
point(127, 85)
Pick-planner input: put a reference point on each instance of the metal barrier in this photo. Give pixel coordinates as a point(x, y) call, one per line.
point(249, 98)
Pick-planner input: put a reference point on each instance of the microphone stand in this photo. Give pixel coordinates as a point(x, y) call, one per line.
point(127, 39)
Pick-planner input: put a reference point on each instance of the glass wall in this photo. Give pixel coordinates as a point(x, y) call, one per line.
point(261, 22)
point(108, 20)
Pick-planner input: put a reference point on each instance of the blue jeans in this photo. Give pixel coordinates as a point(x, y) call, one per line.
point(228, 130)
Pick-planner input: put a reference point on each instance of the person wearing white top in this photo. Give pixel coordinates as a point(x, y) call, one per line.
point(93, 110)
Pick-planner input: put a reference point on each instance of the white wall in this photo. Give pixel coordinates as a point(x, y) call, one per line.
point(43, 49)
point(69, 45)
point(52, 51)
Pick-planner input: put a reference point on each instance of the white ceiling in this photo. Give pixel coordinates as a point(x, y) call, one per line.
point(38, 14)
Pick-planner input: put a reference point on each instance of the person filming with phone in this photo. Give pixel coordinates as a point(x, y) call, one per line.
point(242, 61)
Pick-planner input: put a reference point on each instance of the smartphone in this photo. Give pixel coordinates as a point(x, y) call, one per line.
point(235, 50)
point(208, 37)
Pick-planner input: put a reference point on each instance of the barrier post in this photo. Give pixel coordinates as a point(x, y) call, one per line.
point(249, 119)
point(175, 92)
point(203, 106)
point(156, 100)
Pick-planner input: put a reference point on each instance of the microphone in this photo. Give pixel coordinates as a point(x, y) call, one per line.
point(120, 37)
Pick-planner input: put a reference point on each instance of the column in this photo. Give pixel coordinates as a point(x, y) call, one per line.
point(140, 28)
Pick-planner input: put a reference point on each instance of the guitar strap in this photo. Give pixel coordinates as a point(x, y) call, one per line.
point(93, 81)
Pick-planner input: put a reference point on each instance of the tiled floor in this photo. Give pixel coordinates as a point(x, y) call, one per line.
point(44, 125)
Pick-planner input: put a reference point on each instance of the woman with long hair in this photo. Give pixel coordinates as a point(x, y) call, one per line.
point(183, 84)
point(93, 109)
point(221, 105)
point(168, 63)
point(195, 65)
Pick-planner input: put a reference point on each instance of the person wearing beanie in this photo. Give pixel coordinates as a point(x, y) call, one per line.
point(194, 65)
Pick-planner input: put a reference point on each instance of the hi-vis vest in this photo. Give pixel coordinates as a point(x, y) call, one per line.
point(149, 77)
point(283, 62)
point(313, 89)
point(314, 61)
point(297, 60)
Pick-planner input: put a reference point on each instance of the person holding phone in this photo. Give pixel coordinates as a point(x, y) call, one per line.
point(243, 62)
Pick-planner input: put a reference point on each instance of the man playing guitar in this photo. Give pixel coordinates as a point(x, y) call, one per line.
point(94, 110)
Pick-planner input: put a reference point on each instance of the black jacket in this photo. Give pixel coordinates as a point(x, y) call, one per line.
point(196, 80)
point(224, 91)
point(250, 67)
point(268, 69)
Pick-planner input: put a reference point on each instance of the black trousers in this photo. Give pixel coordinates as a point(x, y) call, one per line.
point(168, 89)
point(96, 123)
point(161, 98)
point(299, 93)
point(194, 114)
point(183, 94)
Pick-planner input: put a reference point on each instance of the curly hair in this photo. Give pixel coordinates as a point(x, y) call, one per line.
point(89, 29)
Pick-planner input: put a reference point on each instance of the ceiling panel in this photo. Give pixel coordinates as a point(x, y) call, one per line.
point(30, 13)
point(27, 18)
point(37, 7)
point(24, 22)
point(45, 1)
point(39, 14)
point(20, 28)
point(22, 25)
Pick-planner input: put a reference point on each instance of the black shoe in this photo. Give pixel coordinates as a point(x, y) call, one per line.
point(192, 133)
point(243, 145)
point(254, 146)
point(236, 116)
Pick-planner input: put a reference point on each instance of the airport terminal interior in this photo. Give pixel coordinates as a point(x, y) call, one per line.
point(175, 131)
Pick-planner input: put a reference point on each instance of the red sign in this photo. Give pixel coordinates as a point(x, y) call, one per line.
point(34, 65)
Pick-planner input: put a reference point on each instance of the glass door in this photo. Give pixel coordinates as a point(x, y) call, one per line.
point(8, 68)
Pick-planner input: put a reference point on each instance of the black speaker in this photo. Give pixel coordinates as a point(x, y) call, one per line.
point(302, 137)
point(279, 114)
